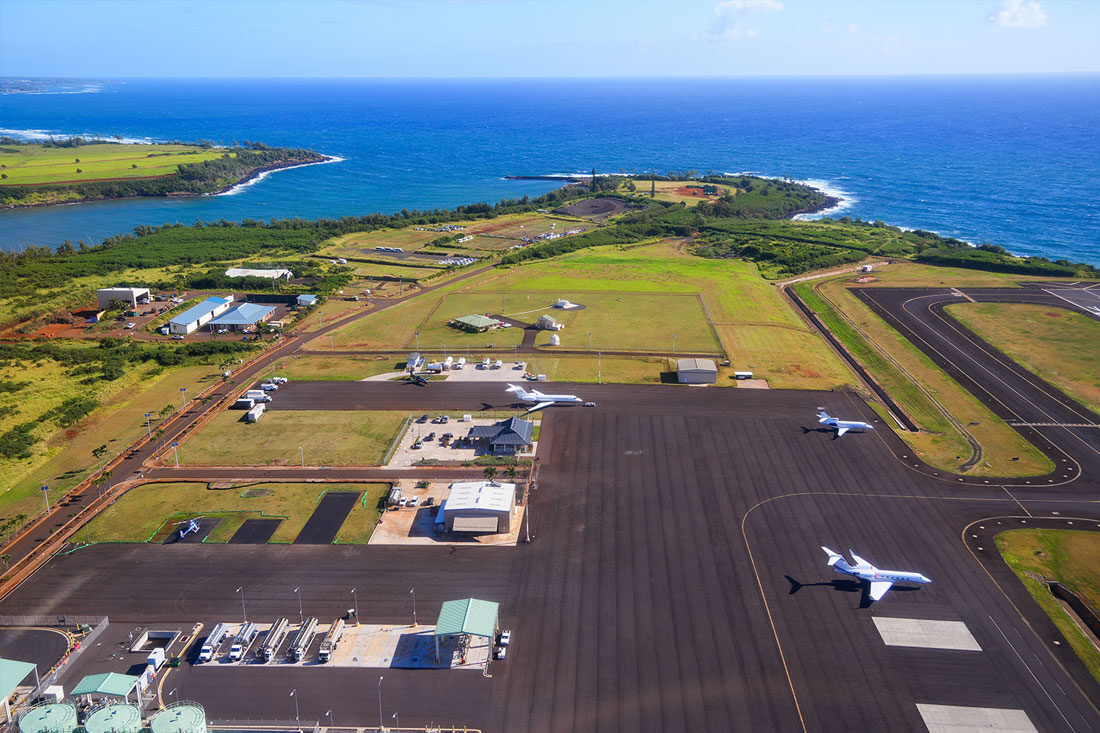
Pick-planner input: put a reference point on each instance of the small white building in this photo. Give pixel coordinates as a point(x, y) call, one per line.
point(306, 300)
point(696, 371)
point(867, 268)
point(279, 274)
point(129, 296)
point(548, 323)
point(564, 304)
point(478, 506)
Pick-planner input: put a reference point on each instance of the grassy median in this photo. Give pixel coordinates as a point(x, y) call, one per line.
point(1060, 346)
point(323, 437)
point(149, 512)
point(1070, 557)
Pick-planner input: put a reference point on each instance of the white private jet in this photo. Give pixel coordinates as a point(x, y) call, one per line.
point(841, 426)
point(542, 400)
point(880, 580)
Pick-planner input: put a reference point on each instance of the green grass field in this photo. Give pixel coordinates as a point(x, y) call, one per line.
point(753, 321)
point(327, 437)
point(64, 458)
point(1060, 346)
point(27, 164)
point(1068, 556)
point(149, 512)
point(904, 370)
point(337, 368)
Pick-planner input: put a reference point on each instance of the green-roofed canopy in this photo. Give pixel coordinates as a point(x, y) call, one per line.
point(12, 673)
point(111, 684)
point(476, 321)
point(468, 616)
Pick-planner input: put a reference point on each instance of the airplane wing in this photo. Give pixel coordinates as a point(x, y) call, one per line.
point(841, 431)
point(539, 406)
point(879, 588)
point(859, 561)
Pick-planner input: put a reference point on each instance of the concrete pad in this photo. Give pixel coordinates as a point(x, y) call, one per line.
point(956, 719)
point(416, 525)
point(926, 634)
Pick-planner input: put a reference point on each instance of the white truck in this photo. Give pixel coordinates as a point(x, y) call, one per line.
point(306, 633)
point(258, 395)
point(275, 638)
point(245, 637)
point(331, 640)
point(213, 642)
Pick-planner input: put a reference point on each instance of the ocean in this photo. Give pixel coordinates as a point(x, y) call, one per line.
point(1005, 160)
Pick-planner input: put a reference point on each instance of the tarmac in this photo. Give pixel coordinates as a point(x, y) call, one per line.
point(675, 579)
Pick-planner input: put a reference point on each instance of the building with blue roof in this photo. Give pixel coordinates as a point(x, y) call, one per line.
point(199, 315)
point(306, 300)
point(243, 317)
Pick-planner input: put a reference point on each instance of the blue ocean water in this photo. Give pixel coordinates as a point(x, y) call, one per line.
point(1010, 161)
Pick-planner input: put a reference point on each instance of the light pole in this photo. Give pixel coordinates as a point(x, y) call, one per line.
point(380, 678)
point(176, 453)
point(331, 345)
point(183, 398)
point(148, 425)
point(673, 343)
point(297, 718)
point(397, 722)
point(301, 616)
point(417, 334)
point(527, 516)
point(589, 340)
point(355, 598)
point(412, 591)
point(46, 495)
point(330, 723)
point(244, 613)
point(302, 451)
point(599, 368)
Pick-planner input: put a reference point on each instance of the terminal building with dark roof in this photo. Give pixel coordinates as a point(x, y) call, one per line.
point(509, 436)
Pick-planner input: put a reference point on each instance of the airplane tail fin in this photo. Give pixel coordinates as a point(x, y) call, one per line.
point(834, 557)
point(822, 416)
point(515, 388)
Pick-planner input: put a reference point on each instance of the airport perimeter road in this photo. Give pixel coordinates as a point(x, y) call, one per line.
point(1041, 413)
point(654, 595)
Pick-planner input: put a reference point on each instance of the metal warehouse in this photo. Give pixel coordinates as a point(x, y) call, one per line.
point(243, 317)
point(199, 315)
point(478, 506)
point(128, 296)
point(696, 371)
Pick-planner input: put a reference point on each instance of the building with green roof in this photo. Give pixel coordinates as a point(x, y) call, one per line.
point(469, 616)
point(12, 674)
point(475, 324)
point(108, 684)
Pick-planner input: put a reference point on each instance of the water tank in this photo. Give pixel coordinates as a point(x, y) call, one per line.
point(50, 717)
point(555, 340)
point(114, 718)
point(180, 717)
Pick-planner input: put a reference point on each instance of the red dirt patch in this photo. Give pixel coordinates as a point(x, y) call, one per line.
point(696, 192)
point(1052, 314)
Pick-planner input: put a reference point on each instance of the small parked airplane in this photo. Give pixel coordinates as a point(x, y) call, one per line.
point(841, 426)
point(880, 580)
point(542, 400)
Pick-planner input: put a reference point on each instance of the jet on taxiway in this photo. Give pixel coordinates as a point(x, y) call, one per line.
point(542, 400)
point(880, 580)
point(841, 426)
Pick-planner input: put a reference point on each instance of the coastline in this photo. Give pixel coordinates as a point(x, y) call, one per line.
point(253, 176)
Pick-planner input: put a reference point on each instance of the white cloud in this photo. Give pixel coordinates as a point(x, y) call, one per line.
point(853, 28)
point(1019, 14)
point(729, 23)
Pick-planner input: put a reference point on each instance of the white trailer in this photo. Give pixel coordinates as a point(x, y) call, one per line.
point(258, 395)
point(254, 414)
point(461, 362)
point(244, 403)
point(742, 375)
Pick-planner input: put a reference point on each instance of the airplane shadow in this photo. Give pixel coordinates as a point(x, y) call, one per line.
point(845, 586)
point(806, 430)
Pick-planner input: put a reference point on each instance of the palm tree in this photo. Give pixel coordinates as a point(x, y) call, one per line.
point(490, 472)
point(510, 472)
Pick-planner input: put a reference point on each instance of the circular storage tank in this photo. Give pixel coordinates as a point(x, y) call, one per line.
point(114, 718)
point(49, 717)
point(182, 717)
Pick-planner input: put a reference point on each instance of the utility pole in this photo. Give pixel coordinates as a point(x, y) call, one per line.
point(148, 425)
point(46, 494)
point(412, 591)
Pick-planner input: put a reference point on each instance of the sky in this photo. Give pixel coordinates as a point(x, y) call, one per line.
point(545, 38)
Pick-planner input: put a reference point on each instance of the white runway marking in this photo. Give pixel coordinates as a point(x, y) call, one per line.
point(923, 634)
point(956, 719)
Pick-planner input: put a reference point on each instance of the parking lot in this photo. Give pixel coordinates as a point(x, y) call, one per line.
point(429, 438)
